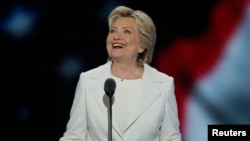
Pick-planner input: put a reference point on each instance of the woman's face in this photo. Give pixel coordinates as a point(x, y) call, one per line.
point(123, 42)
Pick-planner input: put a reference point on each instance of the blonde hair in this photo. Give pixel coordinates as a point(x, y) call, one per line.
point(146, 27)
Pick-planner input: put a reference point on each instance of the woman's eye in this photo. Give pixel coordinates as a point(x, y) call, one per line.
point(127, 31)
point(111, 31)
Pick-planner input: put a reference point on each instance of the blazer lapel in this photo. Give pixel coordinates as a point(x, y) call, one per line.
point(116, 123)
point(97, 80)
point(100, 97)
point(146, 97)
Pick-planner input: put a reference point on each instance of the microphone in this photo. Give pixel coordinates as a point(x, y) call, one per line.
point(109, 88)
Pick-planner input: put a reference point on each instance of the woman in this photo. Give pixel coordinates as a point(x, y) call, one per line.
point(144, 107)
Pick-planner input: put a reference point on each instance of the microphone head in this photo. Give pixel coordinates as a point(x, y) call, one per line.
point(109, 87)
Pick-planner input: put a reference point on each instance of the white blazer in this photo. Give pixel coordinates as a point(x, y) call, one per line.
point(154, 118)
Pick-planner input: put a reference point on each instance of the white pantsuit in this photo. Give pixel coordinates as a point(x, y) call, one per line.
point(153, 118)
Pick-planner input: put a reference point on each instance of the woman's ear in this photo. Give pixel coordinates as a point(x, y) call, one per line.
point(141, 50)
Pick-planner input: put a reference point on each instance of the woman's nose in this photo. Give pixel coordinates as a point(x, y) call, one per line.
point(117, 36)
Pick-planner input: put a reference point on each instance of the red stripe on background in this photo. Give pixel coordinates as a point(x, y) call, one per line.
point(188, 59)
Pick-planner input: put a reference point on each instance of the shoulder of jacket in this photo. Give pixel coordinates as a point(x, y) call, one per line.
point(158, 74)
point(95, 72)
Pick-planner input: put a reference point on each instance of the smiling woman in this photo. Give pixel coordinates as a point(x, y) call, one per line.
point(123, 46)
point(144, 104)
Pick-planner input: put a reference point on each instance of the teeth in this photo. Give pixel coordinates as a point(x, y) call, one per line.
point(117, 45)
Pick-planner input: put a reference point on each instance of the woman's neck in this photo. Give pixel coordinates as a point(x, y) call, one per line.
point(126, 71)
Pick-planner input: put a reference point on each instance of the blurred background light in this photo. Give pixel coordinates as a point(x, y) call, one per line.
point(69, 67)
point(19, 22)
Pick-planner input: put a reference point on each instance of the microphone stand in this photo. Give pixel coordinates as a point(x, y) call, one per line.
point(110, 120)
point(109, 88)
